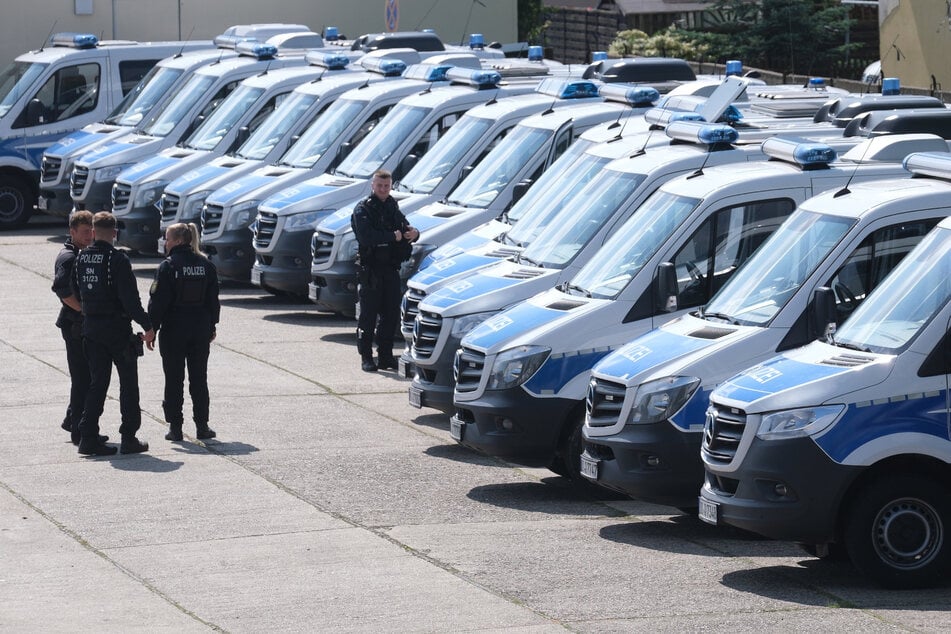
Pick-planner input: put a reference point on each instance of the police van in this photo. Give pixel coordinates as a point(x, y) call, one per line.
point(160, 85)
point(843, 445)
point(646, 400)
point(522, 376)
point(95, 172)
point(46, 94)
point(283, 259)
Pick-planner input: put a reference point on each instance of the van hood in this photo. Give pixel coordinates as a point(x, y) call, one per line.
point(490, 289)
point(324, 192)
point(146, 169)
point(74, 142)
point(449, 268)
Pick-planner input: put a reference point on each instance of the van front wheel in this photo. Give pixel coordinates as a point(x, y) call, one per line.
point(16, 202)
point(897, 531)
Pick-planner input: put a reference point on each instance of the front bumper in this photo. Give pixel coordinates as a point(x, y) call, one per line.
point(139, 228)
point(232, 254)
point(95, 197)
point(55, 201)
point(808, 513)
point(283, 264)
point(432, 379)
point(513, 425)
point(335, 289)
point(655, 463)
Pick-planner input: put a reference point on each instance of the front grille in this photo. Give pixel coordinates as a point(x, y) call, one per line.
point(425, 334)
point(722, 433)
point(467, 369)
point(604, 402)
point(77, 181)
point(49, 169)
point(264, 229)
point(211, 219)
point(409, 308)
point(121, 195)
point(321, 247)
point(170, 204)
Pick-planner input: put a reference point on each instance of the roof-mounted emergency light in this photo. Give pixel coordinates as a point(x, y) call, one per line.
point(386, 66)
point(817, 83)
point(427, 72)
point(331, 34)
point(934, 164)
point(477, 78)
point(567, 89)
point(891, 86)
point(253, 48)
point(597, 56)
point(798, 151)
point(698, 132)
point(74, 40)
point(476, 41)
point(536, 53)
point(632, 96)
point(330, 61)
point(734, 68)
point(662, 117)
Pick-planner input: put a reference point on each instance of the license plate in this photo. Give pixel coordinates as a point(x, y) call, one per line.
point(41, 203)
point(406, 369)
point(708, 511)
point(589, 467)
point(313, 292)
point(256, 277)
point(456, 429)
point(161, 245)
point(415, 397)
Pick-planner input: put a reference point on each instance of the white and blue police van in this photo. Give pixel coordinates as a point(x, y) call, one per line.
point(646, 400)
point(95, 172)
point(283, 261)
point(522, 375)
point(844, 445)
point(45, 94)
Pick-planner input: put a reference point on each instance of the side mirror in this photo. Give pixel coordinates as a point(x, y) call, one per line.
point(823, 312)
point(243, 133)
point(405, 166)
point(196, 122)
point(665, 284)
point(34, 112)
point(465, 172)
point(519, 190)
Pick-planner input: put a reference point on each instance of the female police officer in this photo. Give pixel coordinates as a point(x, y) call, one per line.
point(184, 308)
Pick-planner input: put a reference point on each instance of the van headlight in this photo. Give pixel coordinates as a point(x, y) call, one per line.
point(348, 248)
point(514, 367)
point(241, 215)
point(191, 210)
point(793, 423)
point(306, 221)
point(658, 400)
point(107, 174)
point(462, 325)
point(149, 193)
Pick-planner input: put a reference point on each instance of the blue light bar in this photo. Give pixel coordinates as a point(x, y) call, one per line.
point(733, 67)
point(74, 40)
point(477, 78)
point(663, 117)
point(817, 83)
point(567, 89)
point(330, 61)
point(632, 96)
point(597, 56)
point(698, 132)
point(891, 86)
point(731, 114)
point(476, 40)
point(799, 151)
point(231, 41)
point(386, 66)
point(253, 48)
point(536, 53)
point(331, 34)
point(427, 72)
point(934, 164)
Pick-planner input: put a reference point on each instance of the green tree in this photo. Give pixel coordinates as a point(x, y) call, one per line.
point(531, 20)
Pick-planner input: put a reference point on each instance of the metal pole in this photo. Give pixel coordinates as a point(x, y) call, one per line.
point(115, 34)
point(179, 20)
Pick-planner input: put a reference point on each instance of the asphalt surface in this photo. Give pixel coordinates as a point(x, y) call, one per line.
point(327, 503)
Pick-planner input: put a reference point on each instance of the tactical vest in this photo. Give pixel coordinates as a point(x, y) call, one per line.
point(190, 273)
point(93, 271)
point(384, 217)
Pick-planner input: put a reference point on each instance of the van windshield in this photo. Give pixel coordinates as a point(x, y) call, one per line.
point(435, 164)
point(273, 129)
point(494, 173)
point(176, 109)
point(762, 286)
point(15, 80)
point(141, 99)
point(634, 244)
point(210, 133)
point(371, 153)
point(585, 214)
point(915, 291)
point(322, 133)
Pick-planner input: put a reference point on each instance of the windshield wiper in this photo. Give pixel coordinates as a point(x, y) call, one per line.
point(568, 286)
point(521, 257)
point(727, 318)
point(849, 346)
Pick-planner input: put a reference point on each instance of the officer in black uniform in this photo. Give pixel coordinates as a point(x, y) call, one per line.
point(107, 289)
point(385, 238)
point(70, 319)
point(184, 308)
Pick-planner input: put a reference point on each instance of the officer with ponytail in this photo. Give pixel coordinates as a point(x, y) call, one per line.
point(184, 310)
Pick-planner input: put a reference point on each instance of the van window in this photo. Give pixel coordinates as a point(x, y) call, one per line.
point(132, 71)
point(69, 92)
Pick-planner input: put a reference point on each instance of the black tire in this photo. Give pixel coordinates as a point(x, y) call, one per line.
point(897, 531)
point(568, 461)
point(16, 202)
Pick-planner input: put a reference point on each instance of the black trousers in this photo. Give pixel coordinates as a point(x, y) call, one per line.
point(78, 377)
point(102, 357)
point(379, 312)
point(184, 347)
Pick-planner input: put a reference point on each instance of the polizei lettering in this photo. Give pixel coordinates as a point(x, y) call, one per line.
point(193, 271)
point(91, 258)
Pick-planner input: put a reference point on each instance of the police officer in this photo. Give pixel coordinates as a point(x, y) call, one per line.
point(184, 308)
point(384, 237)
point(70, 319)
point(106, 286)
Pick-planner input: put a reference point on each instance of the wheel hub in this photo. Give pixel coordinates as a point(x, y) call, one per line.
point(11, 202)
point(908, 533)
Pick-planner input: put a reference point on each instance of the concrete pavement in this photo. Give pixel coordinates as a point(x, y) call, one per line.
point(327, 503)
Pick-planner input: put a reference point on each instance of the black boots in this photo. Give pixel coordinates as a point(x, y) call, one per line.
point(367, 364)
point(204, 432)
point(96, 449)
point(130, 444)
point(388, 362)
point(174, 432)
